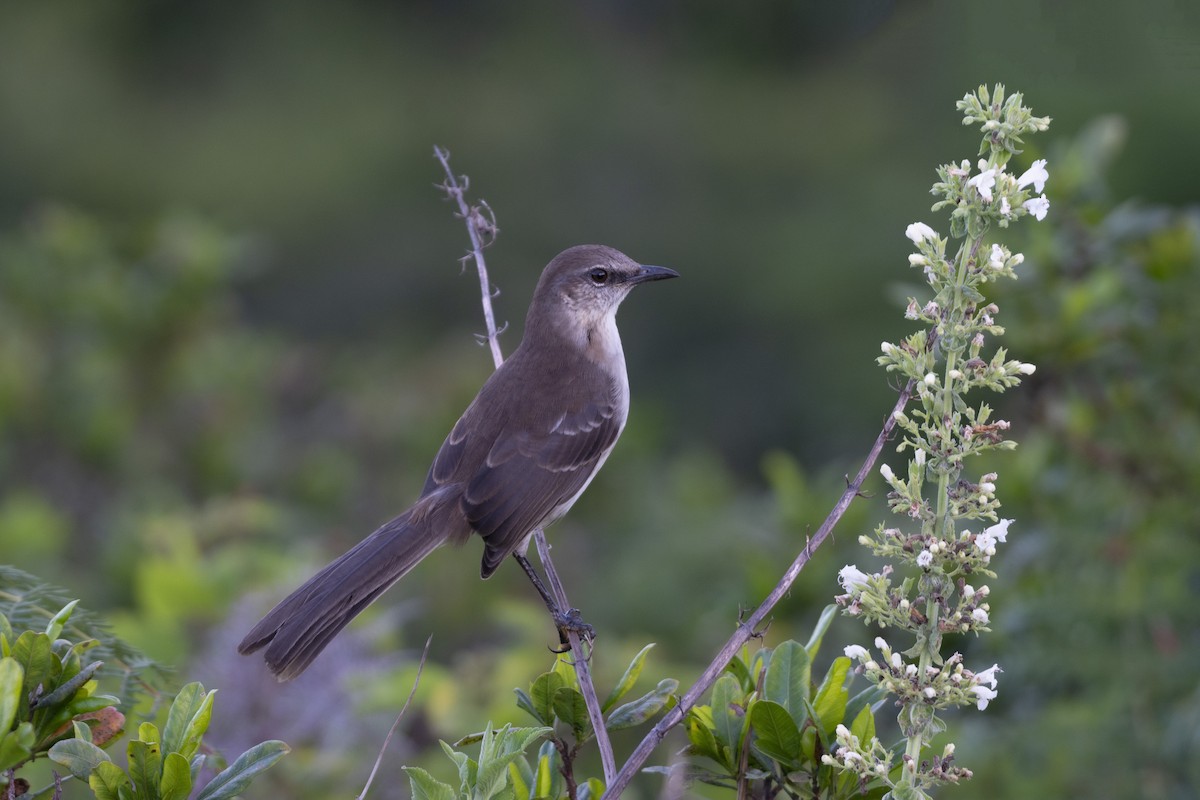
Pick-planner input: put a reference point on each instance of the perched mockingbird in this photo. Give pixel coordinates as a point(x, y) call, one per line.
point(518, 458)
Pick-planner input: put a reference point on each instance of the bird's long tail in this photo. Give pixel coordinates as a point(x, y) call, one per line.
point(298, 629)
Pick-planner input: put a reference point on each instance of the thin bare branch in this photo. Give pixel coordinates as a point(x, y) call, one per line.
point(746, 628)
point(582, 664)
point(480, 224)
point(392, 732)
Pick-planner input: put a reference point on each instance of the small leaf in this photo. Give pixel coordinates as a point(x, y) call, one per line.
point(818, 634)
point(727, 715)
point(425, 787)
point(645, 707)
point(234, 779)
point(570, 707)
point(79, 757)
point(54, 629)
point(565, 667)
point(67, 690)
point(831, 699)
point(778, 736)
point(788, 678)
point(108, 780)
point(544, 777)
point(33, 652)
point(525, 703)
point(145, 767)
point(864, 725)
point(12, 677)
point(739, 670)
point(520, 778)
point(627, 681)
point(591, 789)
point(541, 692)
point(176, 782)
point(16, 746)
point(703, 741)
point(188, 720)
point(867, 698)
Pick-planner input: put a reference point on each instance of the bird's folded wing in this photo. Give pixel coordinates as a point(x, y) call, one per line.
point(528, 475)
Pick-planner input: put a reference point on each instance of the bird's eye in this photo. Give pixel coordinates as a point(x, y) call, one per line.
point(598, 275)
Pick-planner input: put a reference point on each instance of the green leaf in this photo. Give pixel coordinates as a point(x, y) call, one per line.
point(645, 707)
point(570, 707)
point(466, 766)
point(520, 778)
point(148, 733)
point(867, 698)
point(176, 782)
point(864, 725)
point(703, 741)
point(788, 678)
point(739, 670)
point(831, 699)
point(525, 702)
point(233, 780)
point(425, 787)
point(145, 767)
point(565, 667)
point(627, 681)
point(67, 690)
point(727, 713)
point(188, 720)
point(108, 780)
point(778, 736)
point(32, 651)
point(54, 628)
point(16, 746)
point(818, 634)
point(548, 754)
point(591, 789)
point(541, 692)
point(543, 779)
point(79, 757)
point(12, 677)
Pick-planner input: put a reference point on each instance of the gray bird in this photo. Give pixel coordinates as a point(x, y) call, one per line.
point(518, 458)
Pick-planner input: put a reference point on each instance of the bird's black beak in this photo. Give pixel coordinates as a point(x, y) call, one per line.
point(649, 273)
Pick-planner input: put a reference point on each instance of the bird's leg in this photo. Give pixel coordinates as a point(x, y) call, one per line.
point(566, 621)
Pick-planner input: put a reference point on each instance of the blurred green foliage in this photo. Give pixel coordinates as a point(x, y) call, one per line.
point(232, 335)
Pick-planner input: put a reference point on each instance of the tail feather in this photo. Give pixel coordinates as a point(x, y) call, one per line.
point(298, 629)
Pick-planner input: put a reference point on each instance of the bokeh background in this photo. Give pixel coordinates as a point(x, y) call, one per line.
point(234, 330)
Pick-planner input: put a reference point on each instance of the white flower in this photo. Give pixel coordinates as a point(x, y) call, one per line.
point(881, 644)
point(1027, 368)
point(984, 694)
point(919, 457)
point(886, 472)
point(855, 651)
point(1037, 206)
point(924, 558)
point(897, 662)
point(919, 232)
point(997, 259)
point(1036, 175)
point(931, 379)
point(983, 183)
point(917, 260)
point(851, 578)
point(930, 692)
point(988, 675)
point(968, 591)
point(1005, 208)
point(999, 531)
point(987, 487)
point(980, 616)
point(842, 731)
point(887, 348)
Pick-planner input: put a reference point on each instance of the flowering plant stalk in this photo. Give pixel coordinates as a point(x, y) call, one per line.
point(946, 360)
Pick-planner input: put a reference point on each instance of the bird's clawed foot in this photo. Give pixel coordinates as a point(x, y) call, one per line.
point(568, 622)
